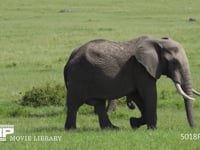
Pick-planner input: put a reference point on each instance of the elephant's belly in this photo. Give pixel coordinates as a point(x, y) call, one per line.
point(110, 89)
point(98, 84)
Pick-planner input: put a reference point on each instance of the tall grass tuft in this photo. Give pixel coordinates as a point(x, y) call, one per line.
point(49, 94)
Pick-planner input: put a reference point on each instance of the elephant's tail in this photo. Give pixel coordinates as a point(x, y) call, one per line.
point(66, 68)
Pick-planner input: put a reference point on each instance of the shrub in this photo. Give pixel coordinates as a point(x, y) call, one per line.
point(44, 96)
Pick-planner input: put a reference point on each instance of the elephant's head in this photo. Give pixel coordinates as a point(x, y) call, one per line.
point(165, 56)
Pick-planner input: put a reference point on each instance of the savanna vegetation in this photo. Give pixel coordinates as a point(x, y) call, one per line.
point(36, 39)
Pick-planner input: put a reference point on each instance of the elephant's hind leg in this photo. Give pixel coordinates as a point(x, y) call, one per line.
point(104, 120)
point(73, 103)
point(71, 118)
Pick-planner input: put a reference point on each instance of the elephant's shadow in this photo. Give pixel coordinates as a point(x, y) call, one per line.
point(47, 129)
point(61, 129)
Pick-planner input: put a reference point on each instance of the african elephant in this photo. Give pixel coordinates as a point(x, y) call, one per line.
point(104, 69)
point(112, 104)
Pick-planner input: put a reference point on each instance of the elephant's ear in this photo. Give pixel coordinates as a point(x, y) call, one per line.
point(148, 56)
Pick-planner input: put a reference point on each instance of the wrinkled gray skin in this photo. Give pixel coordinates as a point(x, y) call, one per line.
point(112, 105)
point(103, 69)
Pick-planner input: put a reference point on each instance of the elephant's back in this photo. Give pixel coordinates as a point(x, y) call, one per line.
point(101, 49)
point(103, 64)
point(100, 55)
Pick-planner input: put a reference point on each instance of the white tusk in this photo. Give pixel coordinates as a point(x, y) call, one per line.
point(195, 92)
point(180, 90)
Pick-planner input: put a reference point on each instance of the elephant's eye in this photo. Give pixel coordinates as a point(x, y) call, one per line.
point(174, 49)
point(165, 38)
point(175, 64)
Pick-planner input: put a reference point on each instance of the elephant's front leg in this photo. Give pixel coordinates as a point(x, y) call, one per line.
point(146, 100)
point(150, 105)
point(104, 121)
point(137, 122)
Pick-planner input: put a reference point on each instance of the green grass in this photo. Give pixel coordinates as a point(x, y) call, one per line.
point(89, 136)
point(36, 40)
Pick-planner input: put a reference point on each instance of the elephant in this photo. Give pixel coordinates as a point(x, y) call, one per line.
point(112, 104)
point(104, 69)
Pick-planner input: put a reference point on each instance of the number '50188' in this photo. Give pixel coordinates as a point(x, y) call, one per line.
point(190, 136)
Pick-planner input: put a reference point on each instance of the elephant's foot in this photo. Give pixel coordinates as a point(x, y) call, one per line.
point(106, 124)
point(136, 122)
point(151, 127)
point(112, 127)
point(71, 119)
point(69, 126)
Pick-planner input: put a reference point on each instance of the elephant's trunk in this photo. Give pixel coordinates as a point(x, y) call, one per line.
point(187, 88)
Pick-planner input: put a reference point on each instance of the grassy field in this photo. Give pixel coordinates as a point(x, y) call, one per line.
point(36, 39)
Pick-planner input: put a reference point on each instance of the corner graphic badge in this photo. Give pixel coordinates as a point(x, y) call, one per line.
point(5, 130)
